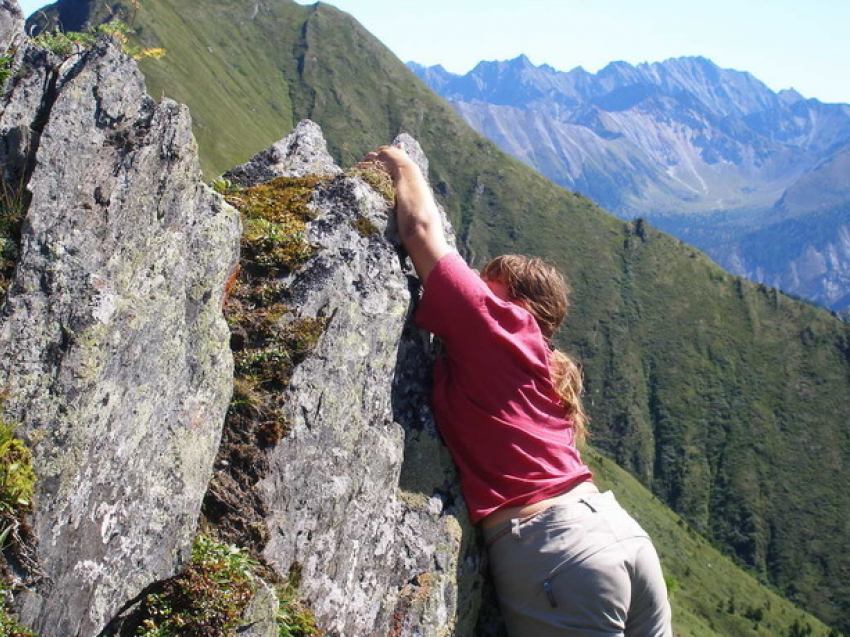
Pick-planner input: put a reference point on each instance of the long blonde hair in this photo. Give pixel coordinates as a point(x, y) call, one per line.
point(541, 289)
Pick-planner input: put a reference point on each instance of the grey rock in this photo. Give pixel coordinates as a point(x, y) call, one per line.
point(112, 342)
point(11, 24)
point(414, 150)
point(258, 620)
point(362, 498)
point(412, 147)
point(302, 152)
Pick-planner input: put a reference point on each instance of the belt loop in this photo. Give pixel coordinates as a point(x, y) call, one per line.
point(515, 528)
point(587, 504)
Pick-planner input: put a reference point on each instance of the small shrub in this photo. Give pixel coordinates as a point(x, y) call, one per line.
point(65, 43)
point(208, 598)
point(293, 618)
point(224, 186)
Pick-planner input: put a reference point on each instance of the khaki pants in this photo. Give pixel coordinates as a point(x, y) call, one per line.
point(581, 569)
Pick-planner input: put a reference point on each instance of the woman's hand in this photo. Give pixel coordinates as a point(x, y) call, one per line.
point(393, 159)
point(419, 225)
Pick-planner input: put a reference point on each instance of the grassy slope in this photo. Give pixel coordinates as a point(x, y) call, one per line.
point(710, 595)
point(727, 399)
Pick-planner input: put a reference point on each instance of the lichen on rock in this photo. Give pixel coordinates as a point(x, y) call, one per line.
point(112, 342)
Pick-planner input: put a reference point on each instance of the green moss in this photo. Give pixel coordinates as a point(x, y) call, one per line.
point(274, 219)
point(377, 178)
point(365, 227)
point(17, 479)
point(267, 343)
point(17, 483)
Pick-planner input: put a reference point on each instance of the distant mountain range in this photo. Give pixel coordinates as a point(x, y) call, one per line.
point(755, 178)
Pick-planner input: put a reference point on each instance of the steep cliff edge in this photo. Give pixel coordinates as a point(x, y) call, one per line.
point(113, 349)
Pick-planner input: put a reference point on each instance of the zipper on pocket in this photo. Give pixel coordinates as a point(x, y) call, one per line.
point(550, 594)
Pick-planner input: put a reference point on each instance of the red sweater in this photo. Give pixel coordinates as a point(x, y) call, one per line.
point(493, 397)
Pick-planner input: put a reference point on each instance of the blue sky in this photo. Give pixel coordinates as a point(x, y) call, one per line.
point(784, 43)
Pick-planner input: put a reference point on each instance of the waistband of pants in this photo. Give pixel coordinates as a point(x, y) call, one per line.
point(582, 502)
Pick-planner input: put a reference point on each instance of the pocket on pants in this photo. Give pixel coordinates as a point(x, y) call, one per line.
point(594, 591)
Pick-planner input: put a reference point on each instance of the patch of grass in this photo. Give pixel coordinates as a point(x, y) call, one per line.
point(294, 619)
point(9, 625)
point(66, 43)
point(274, 218)
point(14, 200)
point(710, 594)
point(268, 341)
point(17, 483)
point(207, 598)
point(211, 595)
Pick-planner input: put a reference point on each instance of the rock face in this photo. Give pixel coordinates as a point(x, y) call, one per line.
point(362, 499)
point(112, 343)
point(115, 354)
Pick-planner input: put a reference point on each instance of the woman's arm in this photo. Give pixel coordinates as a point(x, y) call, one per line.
point(419, 223)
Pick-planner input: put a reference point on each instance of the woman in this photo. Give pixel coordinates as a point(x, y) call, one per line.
point(566, 559)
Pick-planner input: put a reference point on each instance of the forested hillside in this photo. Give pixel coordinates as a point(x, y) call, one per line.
point(727, 398)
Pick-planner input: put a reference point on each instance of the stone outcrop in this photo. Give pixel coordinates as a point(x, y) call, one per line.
point(303, 152)
point(113, 348)
point(361, 499)
point(115, 360)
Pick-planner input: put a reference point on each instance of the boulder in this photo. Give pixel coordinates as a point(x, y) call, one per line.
point(113, 347)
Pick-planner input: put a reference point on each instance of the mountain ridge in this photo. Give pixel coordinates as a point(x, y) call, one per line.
point(693, 375)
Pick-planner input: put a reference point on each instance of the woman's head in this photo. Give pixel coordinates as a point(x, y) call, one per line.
point(540, 288)
point(534, 284)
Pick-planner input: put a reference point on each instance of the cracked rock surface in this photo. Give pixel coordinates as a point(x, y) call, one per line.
point(112, 343)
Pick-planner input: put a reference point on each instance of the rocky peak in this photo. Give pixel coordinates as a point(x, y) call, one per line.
point(119, 367)
point(303, 152)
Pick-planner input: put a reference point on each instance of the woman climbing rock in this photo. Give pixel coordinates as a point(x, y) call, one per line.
point(566, 559)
